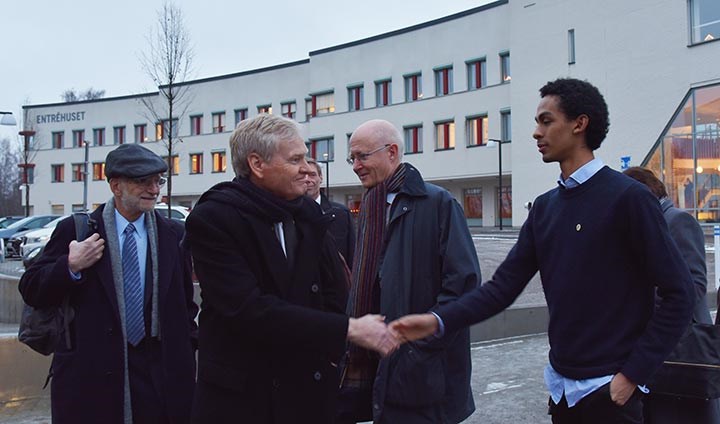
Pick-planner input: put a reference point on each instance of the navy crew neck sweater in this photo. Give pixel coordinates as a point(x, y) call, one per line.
point(601, 249)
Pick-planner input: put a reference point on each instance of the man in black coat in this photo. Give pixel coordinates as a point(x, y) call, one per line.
point(272, 326)
point(341, 226)
point(131, 356)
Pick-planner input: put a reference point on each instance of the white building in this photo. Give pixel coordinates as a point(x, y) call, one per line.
point(450, 85)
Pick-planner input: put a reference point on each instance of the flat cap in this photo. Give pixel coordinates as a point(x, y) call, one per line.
point(133, 161)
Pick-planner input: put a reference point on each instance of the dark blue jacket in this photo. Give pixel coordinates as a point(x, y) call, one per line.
point(429, 260)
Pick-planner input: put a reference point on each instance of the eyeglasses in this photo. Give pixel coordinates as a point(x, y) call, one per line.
point(148, 181)
point(362, 157)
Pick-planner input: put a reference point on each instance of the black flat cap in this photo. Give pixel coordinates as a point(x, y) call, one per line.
point(133, 161)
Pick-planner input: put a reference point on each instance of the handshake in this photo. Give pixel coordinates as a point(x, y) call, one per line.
point(371, 332)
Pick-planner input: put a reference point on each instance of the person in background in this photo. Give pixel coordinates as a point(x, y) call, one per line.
point(133, 335)
point(690, 240)
point(342, 225)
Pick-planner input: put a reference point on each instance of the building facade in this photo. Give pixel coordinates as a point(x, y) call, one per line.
point(463, 91)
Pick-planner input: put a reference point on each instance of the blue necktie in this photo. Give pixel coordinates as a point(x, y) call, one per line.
point(134, 318)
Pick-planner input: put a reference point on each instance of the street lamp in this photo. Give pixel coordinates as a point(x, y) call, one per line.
point(492, 143)
point(27, 135)
point(327, 175)
point(85, 175)
point(7, 118)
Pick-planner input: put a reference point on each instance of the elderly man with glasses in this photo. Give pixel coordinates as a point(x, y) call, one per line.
point(131, 356)
point(413, 253)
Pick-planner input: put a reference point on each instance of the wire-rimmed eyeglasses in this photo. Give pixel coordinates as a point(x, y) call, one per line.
point(362, 157)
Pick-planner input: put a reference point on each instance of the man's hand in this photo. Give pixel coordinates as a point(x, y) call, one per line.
point(621, 389)
point(84, 254)
point(414, 327)
point(371, 332)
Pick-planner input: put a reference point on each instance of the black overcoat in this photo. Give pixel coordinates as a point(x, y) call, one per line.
point(270, 338)
point(88, 380)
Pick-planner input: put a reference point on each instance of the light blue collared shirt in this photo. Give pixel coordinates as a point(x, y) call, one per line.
point(558, 385)
point(141, 239)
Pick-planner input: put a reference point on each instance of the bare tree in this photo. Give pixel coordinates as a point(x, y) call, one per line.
point(168, 62)
point(10, 198)
point(73, 95)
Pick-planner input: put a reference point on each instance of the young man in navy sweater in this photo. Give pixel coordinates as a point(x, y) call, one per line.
point(602, 246)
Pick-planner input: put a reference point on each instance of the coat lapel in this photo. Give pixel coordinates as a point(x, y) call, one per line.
point(104, 268)
point(167, 254)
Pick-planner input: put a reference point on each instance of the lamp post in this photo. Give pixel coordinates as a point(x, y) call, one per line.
point(7, 118)
point(493, 142)
point(27, 135)
point(327, 175)
point(85, 175)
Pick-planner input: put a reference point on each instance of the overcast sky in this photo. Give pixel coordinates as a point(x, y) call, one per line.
point(50, 46)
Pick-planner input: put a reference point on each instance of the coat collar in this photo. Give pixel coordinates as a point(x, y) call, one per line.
point(414, 185)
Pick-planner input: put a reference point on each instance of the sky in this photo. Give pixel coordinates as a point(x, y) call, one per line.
point(49, 46)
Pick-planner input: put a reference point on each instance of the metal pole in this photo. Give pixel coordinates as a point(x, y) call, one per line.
point(500, 198)
point(716, 231)
point(85, 176)
point(26, 157)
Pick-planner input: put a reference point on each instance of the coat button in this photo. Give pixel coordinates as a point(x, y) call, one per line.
point(317, 376)
point(109, 331)
point(108, 374)
point(275, 383)
point(314, 288)
point(404, 208)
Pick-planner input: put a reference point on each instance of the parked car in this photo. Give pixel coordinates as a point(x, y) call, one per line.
point(5, 221)
point(19, 243)
point(179, 213)
point(29, 223)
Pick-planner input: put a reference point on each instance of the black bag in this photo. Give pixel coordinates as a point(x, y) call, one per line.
point(693, 368)
point(41, 329)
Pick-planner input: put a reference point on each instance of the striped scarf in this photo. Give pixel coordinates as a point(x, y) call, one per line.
point(364, 290)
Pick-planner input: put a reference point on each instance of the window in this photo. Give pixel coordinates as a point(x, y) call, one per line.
point(477, 74)
point(504, 206)
point(477, 130)
point(98, 171)
point(445, 135)
point(265, 109)
point(444, 81)
point(78, 171)
point(355, 97)
point(196, 165)
point(218, 119)
point(505, 67)
point(58, 139)
point(162, 128)
point(571, 46)
point(473, 205)
point(30, 173)
point(704, 20)
point(140, 133)
point(219, 163)
point(99, 137)
point(322, 149)
point(288, 109)
point(413, 139)
point(57, 173)
point(240, 115)
point(321, 104)
point(78, 138)
point(413, 87)
point(57, 209)
point(383, 93)
point(196, 125)
point(505, 126)
point(119, 135)
point(175, 164)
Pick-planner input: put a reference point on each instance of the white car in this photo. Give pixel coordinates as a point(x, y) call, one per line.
point(39, 237)
point(179, 213)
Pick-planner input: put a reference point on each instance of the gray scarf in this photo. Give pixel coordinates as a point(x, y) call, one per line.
point(113, 246)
